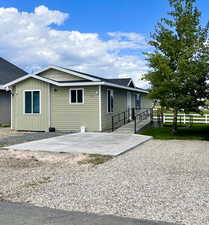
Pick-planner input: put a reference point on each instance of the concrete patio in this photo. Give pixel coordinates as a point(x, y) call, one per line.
point(89, 143)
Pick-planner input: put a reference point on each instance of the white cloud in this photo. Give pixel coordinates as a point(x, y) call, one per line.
point(29, 40)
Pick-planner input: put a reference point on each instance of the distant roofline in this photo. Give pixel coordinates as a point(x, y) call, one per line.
point(9, 71)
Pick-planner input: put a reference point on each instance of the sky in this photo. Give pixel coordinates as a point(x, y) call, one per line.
point(102, 37)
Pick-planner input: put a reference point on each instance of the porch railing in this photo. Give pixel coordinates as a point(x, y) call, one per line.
point(122, 118)
point(144, 114)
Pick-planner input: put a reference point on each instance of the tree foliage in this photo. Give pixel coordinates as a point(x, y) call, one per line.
point(180, 60)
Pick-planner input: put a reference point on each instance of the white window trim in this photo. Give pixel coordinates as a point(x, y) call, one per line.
point(76, 89)
point(111, 93)
point(31, 114)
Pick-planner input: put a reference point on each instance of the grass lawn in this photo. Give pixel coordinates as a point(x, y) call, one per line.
point(96, 159)
point(196, 132)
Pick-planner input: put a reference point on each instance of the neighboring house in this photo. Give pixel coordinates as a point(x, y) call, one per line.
point(8, 73)
point(66, 100)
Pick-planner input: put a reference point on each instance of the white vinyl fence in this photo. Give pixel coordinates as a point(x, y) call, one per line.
point(185, 118)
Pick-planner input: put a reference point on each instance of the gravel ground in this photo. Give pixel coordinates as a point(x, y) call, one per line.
point(159, 180)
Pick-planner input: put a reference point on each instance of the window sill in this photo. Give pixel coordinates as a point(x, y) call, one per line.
point(31, 114)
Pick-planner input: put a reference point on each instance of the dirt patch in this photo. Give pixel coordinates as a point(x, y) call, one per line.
point(28, 159)
point(8, 132)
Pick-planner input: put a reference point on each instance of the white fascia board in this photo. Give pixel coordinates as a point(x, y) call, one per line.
point(27, 77)
point(2, 87)
point(100, 83)
point(16, 81)
point(67, 71)
point(71, 84)
point(132, 82)
point(126, 88)
point(45, 79)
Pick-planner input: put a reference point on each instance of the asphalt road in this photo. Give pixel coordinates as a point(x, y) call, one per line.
point(21, 214)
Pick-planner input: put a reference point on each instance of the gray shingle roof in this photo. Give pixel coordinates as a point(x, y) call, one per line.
point(120, 81)
point(9, 72)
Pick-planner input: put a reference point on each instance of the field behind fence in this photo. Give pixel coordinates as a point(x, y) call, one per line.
point(184, 118)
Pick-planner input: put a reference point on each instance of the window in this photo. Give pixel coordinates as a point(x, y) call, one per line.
point(76, 96)
point(32, 102)
point(138, 101)
point(110, 101)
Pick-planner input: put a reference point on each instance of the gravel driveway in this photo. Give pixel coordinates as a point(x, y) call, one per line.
point(160, 180)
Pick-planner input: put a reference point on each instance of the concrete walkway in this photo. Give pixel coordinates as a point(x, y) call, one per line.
point(129, 127)
point(89, 143)
point(21, 214)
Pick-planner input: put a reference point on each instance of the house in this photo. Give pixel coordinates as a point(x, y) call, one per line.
point(8, 72)
point(66, 100)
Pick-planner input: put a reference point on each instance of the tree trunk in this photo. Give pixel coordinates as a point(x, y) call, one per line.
point(175, 120)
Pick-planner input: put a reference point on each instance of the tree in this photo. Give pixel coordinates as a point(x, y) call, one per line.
point(180, 60)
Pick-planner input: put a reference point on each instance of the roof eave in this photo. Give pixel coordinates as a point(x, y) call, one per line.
point(2, 87)
point(8, 85)
point(123, 87)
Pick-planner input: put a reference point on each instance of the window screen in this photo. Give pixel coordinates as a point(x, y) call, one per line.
point(28, 102)
point(73, 96)
point(80, 96)
point(32, 101)
point(76, 96)
point(36, 102)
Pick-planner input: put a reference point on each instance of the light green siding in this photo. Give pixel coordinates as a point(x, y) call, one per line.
point(57, 112)
point(63, 115)
point(35, 122)
point(66, 116)
point(120, 105)
point(133, 99)
point(59, 75)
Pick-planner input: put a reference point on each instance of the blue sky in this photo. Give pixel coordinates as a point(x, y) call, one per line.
point(124, 19)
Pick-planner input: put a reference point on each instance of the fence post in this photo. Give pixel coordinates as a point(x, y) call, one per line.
point(206, 118)
point(128, 115)
point(151, 115)
point(124, 118)
point(112, 123)
point(184, 118)
point(135, 124)
point(133, 113)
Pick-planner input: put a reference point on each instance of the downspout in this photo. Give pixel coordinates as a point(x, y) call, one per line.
point(11, 108)
point(49, 106)
point(100, 108)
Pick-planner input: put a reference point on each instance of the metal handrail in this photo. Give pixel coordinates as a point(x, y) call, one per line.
point(142, 116)
point(123, 117)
